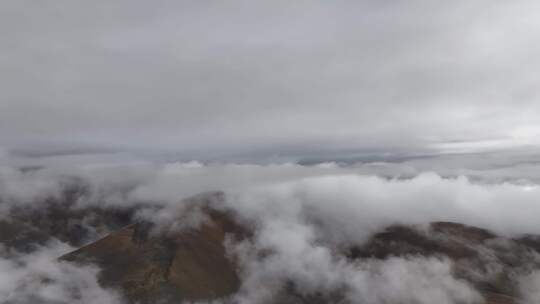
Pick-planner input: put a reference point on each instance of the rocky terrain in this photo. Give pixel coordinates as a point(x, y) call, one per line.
point(150, 265)
point(193, 265)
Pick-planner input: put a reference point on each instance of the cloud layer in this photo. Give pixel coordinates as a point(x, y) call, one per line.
point(38, 277)
point(322, 122)
point(266, 78)
point(300, 215)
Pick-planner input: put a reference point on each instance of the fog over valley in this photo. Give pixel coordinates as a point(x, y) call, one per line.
point(269, 152)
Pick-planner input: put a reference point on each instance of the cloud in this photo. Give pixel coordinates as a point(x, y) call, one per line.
point(389, 99)
point(39, 277)
point(493, 194)
point(301, 226)
point(354, 206)
point(301, 217)
point(286, 251)
point(268, 78)
point(529, 287)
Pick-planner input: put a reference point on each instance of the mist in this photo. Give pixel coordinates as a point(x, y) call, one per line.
point(38, 277)
point(298, 212)
point(375, 152)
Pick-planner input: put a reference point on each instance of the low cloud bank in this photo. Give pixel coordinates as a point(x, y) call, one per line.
point(39, 277)
point(301, 224)
point(286, 251)
point(301, 215)
point(530, 287)
point(350, 207)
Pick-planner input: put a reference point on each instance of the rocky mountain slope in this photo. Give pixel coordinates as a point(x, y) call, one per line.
point(188, 265)
point(149, 264)
point(193, 264)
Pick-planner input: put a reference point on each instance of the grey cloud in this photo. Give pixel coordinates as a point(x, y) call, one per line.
point(529, 287)
point(38, 277)
point(222, 78)
point(302, 213)
point(351, 207)
point(121, 180)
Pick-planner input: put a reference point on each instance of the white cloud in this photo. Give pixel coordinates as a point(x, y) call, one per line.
point(351, 207)
point(302, 214)
point(39, 277)
point(285, 250)
point(529, 286)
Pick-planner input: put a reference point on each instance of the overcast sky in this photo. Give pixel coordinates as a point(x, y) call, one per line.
point(226, 77)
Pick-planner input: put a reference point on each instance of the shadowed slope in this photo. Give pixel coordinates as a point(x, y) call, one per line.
point(170, 266)
point(187, 265)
